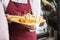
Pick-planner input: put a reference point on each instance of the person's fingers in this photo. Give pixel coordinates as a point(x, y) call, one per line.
point(41, 24)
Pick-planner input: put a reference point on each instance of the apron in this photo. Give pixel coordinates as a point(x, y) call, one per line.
point(18, 31)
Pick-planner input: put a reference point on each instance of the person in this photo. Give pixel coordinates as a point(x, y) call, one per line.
point(21, 7)
point(4, 34)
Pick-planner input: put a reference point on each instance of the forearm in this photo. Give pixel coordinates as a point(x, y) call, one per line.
point(3, 25)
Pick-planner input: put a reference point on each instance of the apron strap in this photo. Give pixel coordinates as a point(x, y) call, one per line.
point(28, 1)
point(10, 0)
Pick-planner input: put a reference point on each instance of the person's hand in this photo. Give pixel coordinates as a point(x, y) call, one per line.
point(8, 17)
point(42, 22)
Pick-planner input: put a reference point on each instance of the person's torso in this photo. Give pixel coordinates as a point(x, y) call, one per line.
point(21, 7)
point(18, 32)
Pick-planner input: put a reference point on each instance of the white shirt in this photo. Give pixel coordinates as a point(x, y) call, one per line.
point(35, 5)
point(36, 9)
point(4, 35)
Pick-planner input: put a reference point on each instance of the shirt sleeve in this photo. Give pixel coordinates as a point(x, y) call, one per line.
point(4, 35)
point(5, 3)
point(36, 7)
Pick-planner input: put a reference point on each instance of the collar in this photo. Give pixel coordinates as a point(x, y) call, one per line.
point(20, 1)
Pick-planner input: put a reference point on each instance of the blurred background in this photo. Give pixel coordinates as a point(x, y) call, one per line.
point(49, 8)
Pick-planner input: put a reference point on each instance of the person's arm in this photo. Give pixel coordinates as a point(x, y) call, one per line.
point(4, 34)
point(5, 3)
